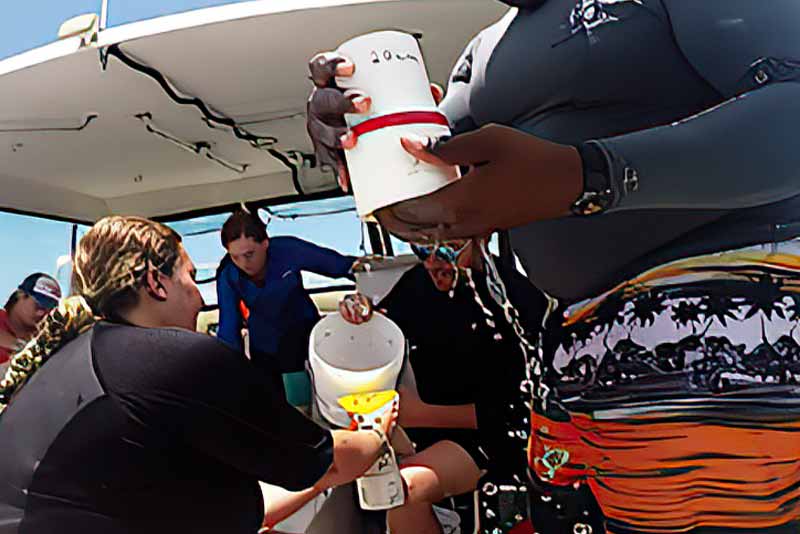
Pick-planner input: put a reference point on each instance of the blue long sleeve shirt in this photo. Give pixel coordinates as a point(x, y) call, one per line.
point(280, 308)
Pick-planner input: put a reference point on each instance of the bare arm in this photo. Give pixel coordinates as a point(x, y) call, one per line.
point(353, 454)
point(279, 503)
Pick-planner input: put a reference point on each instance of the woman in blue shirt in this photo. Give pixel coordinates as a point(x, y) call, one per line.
point(259, 282)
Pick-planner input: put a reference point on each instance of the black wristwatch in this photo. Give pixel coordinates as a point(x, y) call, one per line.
point(607, 179)
point(598, 191)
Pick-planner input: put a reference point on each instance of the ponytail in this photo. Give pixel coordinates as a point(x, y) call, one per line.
point(72, 317)
point(111, 263)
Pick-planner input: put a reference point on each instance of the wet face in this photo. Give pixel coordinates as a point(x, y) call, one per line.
point(183, 300)
point(249, 255)
point(28, 312)
point(442, 273)
point(443, 270)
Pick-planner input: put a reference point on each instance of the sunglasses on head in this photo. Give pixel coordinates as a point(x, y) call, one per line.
point(447, 251)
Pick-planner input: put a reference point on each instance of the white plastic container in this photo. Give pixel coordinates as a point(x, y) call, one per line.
point(347, 359)
point(389, 67)
point(377, 276)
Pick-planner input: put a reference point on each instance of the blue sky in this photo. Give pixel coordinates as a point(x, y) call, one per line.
point(32, 244)
point(27, 24)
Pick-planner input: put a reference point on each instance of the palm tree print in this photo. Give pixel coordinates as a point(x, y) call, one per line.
point(720, 307)
point(687, 313)
point(647, 307)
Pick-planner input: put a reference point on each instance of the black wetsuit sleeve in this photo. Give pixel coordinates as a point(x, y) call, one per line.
point(192, 388)
point(738, 154)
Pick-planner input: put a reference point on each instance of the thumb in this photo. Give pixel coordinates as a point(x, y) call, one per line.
point(472, 148)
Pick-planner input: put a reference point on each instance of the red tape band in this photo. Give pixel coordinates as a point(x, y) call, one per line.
point(398, 119)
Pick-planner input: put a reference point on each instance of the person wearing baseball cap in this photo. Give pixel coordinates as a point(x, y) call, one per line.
point(27, 305)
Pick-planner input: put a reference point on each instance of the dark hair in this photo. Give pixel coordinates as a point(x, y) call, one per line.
point(242, 224)
point(13, 299)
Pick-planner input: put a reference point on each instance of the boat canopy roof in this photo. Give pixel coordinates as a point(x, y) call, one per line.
point(191, 112)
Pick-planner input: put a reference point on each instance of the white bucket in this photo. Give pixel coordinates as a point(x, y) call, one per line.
point(347, 359)
point(389, 67)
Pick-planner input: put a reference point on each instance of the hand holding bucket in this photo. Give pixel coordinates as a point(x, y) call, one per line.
point(381, 487)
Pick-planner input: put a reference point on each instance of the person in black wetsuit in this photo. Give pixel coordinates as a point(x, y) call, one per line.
point(137, 424)
point(454, 394)
point(648, 178)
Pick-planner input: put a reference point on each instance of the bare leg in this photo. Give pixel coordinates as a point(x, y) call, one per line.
point(441, 470)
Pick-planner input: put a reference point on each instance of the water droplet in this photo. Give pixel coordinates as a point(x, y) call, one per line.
point(521, 434)
point(546, 498)
point(526, 386)
point(489, 489)
point(582, 528)
point(490, 514)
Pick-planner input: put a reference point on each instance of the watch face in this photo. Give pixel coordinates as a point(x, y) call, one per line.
point(592, 202)
point(591, 208)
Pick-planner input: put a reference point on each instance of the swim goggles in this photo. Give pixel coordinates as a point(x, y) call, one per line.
point(447, 250)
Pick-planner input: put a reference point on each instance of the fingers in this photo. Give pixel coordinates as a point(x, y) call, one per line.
point(437, 92)
point(343, 178)
point(418, 148)
point(403, 229)
point(355, 309)
point(348, 140)
point(389, 422)
point(361, 102)
point(325, 66)
point(330, 105)
point(474, 148)
point(452, 212)
point(327, 128)
point(325, 134)
point(345, 312)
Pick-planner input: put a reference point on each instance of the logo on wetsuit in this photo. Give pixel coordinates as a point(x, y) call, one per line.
point(589, 14)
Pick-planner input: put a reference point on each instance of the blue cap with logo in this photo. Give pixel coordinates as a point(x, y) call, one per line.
point(42, 287)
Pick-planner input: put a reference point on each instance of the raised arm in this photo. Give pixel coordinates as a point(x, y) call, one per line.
point(321, 260)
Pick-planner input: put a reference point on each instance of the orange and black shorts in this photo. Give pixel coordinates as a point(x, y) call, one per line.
point(676, 402)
